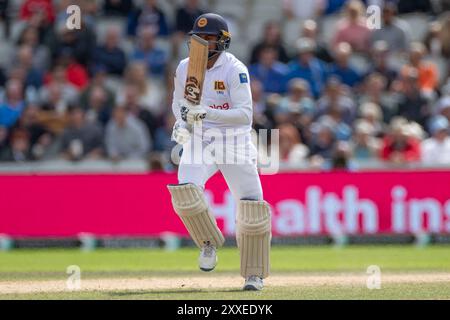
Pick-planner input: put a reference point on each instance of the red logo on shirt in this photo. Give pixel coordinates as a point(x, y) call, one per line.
point(225, 106)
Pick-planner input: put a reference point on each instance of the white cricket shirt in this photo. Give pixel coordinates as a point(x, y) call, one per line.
point(226, 87)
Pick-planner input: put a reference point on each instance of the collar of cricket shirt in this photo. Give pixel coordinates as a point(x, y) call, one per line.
point(220, 61)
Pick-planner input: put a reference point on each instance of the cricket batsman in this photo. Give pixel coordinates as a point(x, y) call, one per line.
point(225, 107)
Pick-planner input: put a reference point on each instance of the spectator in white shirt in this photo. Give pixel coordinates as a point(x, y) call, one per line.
point(436, 149)
point(303, 9)
point(126, 136)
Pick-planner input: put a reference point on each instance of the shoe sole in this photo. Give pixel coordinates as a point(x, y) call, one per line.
point(209, 269)
point(250, 287)
point(206, 270)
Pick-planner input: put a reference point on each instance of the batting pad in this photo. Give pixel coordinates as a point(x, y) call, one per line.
point(253, 235)
point(190, 204)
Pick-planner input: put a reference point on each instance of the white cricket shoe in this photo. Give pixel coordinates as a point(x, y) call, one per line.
point(208, 258)
point(253, 283)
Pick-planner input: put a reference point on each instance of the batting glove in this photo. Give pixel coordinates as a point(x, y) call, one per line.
point(190, 112)
point(180, 133)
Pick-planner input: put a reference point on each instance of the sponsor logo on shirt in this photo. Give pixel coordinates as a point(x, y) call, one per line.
point(219, 85)
point(243, 78)
point(225, 106)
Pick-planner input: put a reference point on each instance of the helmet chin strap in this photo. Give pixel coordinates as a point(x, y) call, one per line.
point(212, 54)
point(215, 52)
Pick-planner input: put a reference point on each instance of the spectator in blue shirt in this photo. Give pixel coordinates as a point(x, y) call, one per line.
point(269, 70)
point(379, 55)
point(341, 67)
point(148, 52)
point(117, 7)
point(24, 60)
point(186, 14)
point(310, 30)
point(272, 36)
point(163, 141)
point(336, 102)
point(334, 6)
point(2, 77)
point(298, 99)
point(148, 15)
point(110, 55)
point(308, 67)
point(13, 105)
point(323, 141)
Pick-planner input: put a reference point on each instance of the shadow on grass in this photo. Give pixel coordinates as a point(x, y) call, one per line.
point(181, 291)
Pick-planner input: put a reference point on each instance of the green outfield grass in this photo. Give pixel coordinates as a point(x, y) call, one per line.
point(26, 265)
point(389, 292)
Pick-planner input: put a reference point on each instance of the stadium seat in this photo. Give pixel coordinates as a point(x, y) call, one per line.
point(165, 45)
point(167, 8)
point(327, 27)
point(6, 53)
point(254, 27)
point(360, 62)
point(292, 30)
point(2, 31)
point(104, 23)
point(240, 50)
point(127, 45)
point(396, 61)
point(418, 25)
point(16, 29)
point(14, 7)
point(267, 9)
point(114, 83)
point(234, 8)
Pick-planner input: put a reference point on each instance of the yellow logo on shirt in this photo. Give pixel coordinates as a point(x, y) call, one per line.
point(219, 85)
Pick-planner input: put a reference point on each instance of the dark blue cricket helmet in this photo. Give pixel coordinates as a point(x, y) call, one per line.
point(213, 24)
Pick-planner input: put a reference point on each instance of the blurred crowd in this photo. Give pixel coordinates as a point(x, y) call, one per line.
point(367, 94)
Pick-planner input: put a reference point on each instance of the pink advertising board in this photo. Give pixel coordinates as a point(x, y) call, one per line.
point(302, 203)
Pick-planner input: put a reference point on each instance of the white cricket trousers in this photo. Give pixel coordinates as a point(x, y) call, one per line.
point(242, 178)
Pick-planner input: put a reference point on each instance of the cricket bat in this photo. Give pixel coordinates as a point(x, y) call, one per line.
point(198, 59)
